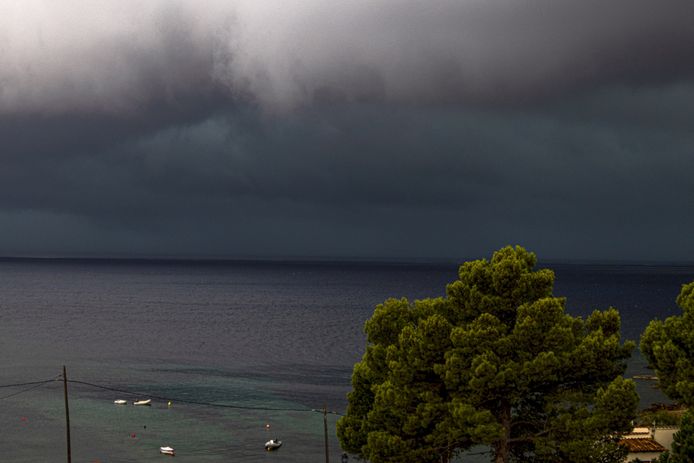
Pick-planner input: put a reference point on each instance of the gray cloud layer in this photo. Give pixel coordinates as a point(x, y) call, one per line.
point(355, 128)
point(104, 56)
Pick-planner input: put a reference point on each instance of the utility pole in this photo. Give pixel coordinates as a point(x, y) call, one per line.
point(67, 417)
point(325, 429)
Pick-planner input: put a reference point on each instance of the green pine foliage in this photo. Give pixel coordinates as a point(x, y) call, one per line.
point(682, 444)
point(683, 441)
point(669, 348)
point(496, 362)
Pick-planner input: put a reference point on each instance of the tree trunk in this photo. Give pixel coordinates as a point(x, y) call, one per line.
point(502, 447)
point(445, 457)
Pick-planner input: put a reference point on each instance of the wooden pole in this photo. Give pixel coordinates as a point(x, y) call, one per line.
point(67, 417)
point(325, 429)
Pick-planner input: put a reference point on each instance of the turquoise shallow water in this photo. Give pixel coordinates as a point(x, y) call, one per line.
point(258, 335)
point(34, 423)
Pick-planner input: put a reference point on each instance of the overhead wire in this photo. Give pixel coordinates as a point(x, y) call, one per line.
point(33, 384)
point(36, 384)
point(212, 451)
point(29, 383)
point(196, 402)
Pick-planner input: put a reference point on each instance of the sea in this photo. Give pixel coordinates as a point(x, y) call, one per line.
point(232, 354)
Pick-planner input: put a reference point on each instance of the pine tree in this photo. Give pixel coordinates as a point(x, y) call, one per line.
point(495, 362)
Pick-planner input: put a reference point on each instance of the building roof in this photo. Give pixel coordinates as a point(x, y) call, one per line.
point(641, 445)
point(641, 431)
point(638, 433)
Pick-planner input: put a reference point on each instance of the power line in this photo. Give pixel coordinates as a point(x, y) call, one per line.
point(37, 384)
point(2, 386)
point(329, 412)
point(191, 402)
point(34, 385)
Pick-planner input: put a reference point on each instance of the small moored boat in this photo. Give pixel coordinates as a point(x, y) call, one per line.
point(143, 402)
point(273, 444)
point(120, 402)
point(167, 451)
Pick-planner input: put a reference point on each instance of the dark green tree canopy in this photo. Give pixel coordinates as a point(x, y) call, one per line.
point(683, 441)
point(495, 362)
point(669, 348)
point(682, 444)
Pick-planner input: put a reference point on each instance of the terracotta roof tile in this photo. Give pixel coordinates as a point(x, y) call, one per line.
point(642, 445)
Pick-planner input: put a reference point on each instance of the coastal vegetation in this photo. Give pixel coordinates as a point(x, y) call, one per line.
point(661, 415)
point(496, 362)
point(682, 443)
point(669, 349)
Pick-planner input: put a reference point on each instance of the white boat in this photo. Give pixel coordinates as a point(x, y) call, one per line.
point(120, 402)
point(167, 451)
point(143, 402)
point(273, 444)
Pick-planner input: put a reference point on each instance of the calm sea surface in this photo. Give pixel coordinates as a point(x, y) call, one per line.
point(276, 339)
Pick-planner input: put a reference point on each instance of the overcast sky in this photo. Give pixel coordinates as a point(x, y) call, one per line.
point(361, 129)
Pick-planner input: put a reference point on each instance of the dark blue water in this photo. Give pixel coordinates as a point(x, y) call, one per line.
point(256, 335)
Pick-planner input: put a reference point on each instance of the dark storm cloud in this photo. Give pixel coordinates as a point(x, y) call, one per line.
point(369, 181)
point(351, 128)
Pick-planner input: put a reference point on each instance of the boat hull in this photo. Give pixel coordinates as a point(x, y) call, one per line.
point(272, 445)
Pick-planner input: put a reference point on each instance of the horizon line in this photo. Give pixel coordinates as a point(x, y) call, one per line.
point(332, 260)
